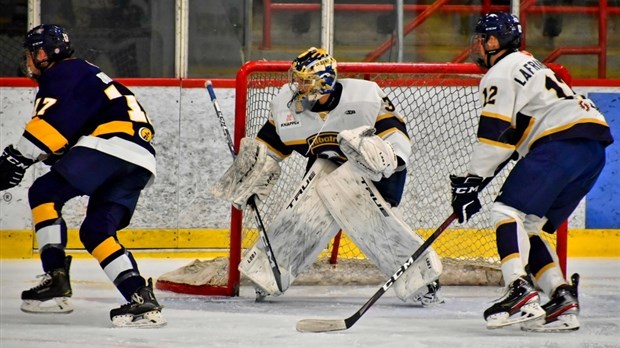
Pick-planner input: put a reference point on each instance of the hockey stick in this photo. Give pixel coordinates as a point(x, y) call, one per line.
point(259, 221)
point(324, 325)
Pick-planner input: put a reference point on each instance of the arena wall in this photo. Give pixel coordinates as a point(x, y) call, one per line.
point(178, 216)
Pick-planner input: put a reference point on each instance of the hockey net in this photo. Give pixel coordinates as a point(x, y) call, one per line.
point(440, 105)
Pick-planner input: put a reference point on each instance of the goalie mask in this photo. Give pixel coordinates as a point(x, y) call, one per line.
point(312, 75)
point(505, 27)
point(53, 39)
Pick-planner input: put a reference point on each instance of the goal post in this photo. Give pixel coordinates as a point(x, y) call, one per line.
point(439, 102)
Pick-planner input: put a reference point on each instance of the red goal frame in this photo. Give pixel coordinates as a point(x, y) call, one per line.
point(365, 69)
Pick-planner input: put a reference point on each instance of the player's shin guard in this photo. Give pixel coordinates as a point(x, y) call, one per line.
point(544, 266)
point(513, 244)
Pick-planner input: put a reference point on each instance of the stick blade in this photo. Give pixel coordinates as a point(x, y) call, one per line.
point(321, 325)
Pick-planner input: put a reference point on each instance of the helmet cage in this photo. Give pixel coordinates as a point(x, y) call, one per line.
point(311, 75)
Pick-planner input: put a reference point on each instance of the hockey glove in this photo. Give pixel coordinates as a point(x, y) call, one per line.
point(465, 201)
point(12, 167)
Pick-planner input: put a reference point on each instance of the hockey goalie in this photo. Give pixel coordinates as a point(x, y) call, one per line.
point(358, 149)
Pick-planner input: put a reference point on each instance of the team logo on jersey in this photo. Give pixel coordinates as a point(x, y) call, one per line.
point(324, 143)
point(349, 112)
point(146, 134)
point(290, 122)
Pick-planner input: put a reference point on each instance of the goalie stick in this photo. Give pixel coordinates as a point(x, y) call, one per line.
point(325, 325)
point(259, 221)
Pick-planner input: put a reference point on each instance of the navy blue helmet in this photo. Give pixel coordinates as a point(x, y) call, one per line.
point(53, 39)
point(504, 26)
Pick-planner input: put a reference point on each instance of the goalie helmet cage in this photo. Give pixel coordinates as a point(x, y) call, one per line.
point(440, 105)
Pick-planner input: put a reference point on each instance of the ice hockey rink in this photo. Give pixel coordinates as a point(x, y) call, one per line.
point(196, 321)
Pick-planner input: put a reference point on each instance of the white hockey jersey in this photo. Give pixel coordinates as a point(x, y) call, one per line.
point(524, 103)
point(313, 134)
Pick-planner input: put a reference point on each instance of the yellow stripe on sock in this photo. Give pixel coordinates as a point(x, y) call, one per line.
point(44, 212)
point(105, 249)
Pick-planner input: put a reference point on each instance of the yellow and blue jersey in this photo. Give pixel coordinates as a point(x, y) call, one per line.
point(79, 105)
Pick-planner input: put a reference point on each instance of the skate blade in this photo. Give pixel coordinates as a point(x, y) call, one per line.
point(56, 305)
point(146, 320)
point(563, 323)
point(530, 311)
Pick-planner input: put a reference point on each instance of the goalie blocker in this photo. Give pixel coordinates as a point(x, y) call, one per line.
point(330, 199)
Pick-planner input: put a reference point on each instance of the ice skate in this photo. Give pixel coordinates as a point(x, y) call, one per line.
point(52, 294)
point(261, 295)
point(143, 310)
point(431, 297)
point(561, 311)
point(521, 303)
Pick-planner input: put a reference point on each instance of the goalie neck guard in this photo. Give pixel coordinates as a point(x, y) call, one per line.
point(312, 75)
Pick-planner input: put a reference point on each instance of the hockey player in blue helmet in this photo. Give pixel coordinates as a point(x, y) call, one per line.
point(559, 140)
point(504, 28)
point(46, 44)
point(96, 137)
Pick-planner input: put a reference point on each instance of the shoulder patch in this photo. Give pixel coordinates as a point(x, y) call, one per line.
point(145, 134)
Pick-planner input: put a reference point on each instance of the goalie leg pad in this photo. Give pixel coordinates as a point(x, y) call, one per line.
point(255, 265)
point(377, 230)
point(297, 235)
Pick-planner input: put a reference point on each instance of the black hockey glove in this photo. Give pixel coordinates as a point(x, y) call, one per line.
point(465, 201)
point(12, 167)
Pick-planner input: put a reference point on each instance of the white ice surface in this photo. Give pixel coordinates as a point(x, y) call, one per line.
point(196, 321)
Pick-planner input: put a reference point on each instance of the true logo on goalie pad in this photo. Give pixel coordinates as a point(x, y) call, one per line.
point(301, 190)
point(374, 197)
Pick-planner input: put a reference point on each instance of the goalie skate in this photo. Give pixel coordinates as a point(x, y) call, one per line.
point(430, 296)
point(518, 305)
point(260, 295)
point(143, 311)
point(52, 294)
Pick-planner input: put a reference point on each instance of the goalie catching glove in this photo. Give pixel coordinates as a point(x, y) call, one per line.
point(253, 173)
point(370, 155)
point(13, 166)
point(465, 202)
